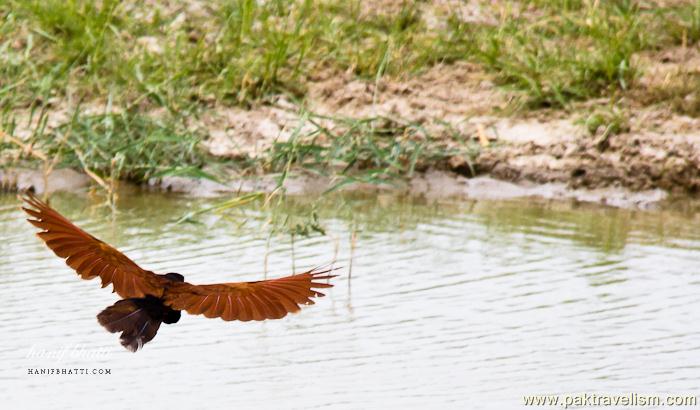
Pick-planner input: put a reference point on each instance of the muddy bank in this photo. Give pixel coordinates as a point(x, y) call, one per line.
point(13, 179)
point(638, 160)
point(653, 147)
point(659, 151)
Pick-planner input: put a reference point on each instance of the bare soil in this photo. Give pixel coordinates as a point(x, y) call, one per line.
point(661, 149)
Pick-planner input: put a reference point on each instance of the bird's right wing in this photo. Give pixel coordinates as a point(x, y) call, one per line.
point(89, 256)
point(265, 299)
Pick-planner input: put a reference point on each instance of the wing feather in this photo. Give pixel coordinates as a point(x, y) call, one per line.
point(89, 256)
point(244, 301)
point(229, 312)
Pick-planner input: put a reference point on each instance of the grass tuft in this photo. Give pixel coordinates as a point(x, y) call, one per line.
point(126, 146)
point(375, 150)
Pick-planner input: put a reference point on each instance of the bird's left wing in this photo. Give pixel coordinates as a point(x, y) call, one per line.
point(89, 256)
point(266, 299)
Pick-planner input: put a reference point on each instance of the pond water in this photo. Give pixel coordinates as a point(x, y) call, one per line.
point(452, 305)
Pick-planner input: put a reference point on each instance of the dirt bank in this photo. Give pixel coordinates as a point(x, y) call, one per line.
point(652, 148)
point(544, 154)
point(638, 160)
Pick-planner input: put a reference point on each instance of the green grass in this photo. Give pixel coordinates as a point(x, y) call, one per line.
point(566, 51)
point(231, 52)
point(240, 52)
point(606, 121)
point(133, 146)
point(123, 145)
point(373, 150)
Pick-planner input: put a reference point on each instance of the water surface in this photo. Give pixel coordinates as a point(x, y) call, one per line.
point(452, 305)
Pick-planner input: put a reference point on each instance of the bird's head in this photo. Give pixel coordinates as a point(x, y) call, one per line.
point(175, 277)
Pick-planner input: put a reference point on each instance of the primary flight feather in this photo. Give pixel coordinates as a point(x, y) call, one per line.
point(150, 299)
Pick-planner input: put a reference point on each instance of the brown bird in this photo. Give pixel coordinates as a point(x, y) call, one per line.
point(150, 299)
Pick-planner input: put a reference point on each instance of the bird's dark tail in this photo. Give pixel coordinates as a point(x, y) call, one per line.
point(137, 319)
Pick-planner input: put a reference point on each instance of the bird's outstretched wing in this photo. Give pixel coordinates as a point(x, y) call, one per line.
point(89, 256)
point(244, 301)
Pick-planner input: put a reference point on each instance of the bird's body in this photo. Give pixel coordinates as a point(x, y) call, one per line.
point(138, 319)
point(150, 299)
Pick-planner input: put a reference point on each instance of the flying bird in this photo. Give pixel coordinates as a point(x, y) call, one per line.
point(149, 299)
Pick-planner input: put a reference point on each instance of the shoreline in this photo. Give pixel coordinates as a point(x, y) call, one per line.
point(432, 185)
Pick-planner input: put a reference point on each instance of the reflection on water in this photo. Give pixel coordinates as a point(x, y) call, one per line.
point(457, 305)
